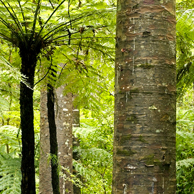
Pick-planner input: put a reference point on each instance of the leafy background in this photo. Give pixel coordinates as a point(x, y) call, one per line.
point(95, 86)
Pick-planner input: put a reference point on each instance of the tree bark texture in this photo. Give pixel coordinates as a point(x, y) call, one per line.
point(45, 186)
point(53, 140)
point(27, 121)
point(76, 117)
point(64, 136)
point(145, 98)
point(76, 156)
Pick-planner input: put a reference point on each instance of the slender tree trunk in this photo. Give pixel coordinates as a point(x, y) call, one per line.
point(64, 136)
point(45, 186)
point(145, 98)
point(27, 125)
point(53, 140)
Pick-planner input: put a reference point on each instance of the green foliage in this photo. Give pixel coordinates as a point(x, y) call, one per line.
point(76, 27)
point(10, 174)
point(95, 151)
point(10, 78)
point(185, 116)
point(88, 58)
point(185, 174)
point(185, 144)
point(185, 46)
point(81, 37)
point(88, 72)
point(10, 161)
point(10, 152)
point(10, 136)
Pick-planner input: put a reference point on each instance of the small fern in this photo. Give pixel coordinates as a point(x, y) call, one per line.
point(95, 163)
point(10, 174)
point(185, 175)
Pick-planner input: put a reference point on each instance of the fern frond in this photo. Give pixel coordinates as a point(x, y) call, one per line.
point(185, 163)
point(10, 174)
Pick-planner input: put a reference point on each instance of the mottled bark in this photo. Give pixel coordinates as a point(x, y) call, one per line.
point(76, 156)
point(76, 117)
point(64, 137)
point(45, 186)
point(53, 140)
point(144, 138)
point(27, 119)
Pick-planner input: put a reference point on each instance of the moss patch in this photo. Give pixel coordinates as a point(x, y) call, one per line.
point(134, 90)
point(121, 92)
point(149, 159)
point(142, 139)
point(125, 152)
point(145, 66)
point(132, 118)
point(125, 138)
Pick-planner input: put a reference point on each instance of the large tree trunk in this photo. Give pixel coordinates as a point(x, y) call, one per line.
point(27, 125)
point(53, 140)
point(45, 186)
point(144, 139)
point(64, 137)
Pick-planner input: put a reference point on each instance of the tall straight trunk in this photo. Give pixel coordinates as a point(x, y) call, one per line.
point(53, 140)
point(45, 186)
point(64, 136)
point(27, 125)
point(145, 98)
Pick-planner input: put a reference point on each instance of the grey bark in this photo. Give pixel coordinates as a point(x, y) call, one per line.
point(45, 186)
point(64, 135)
point(76, 156)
